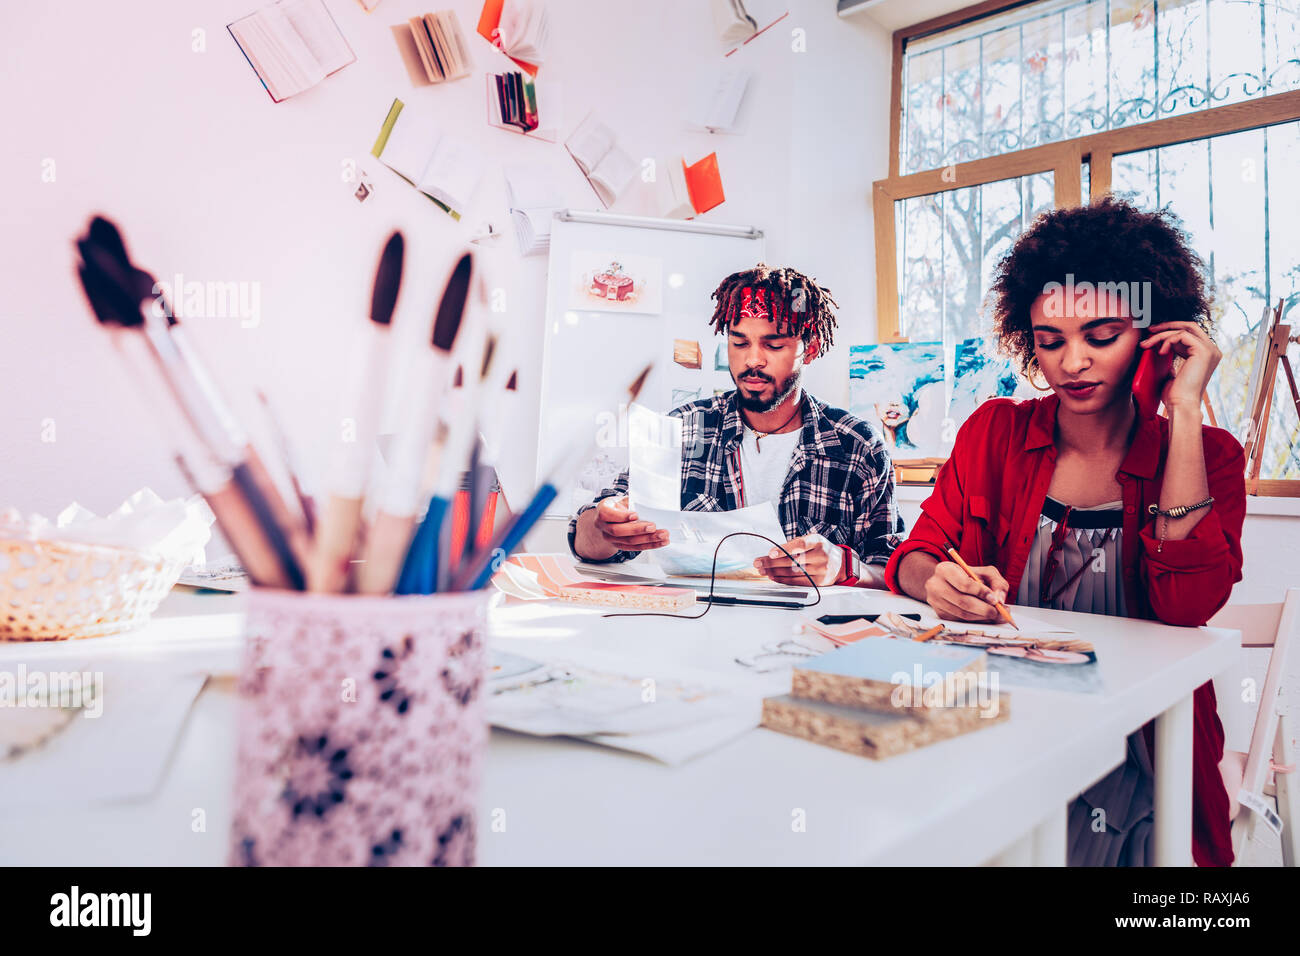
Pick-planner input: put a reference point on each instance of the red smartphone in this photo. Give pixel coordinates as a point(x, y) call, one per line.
point(1153, 372)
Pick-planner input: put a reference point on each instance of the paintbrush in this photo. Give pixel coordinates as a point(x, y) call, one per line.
point(202, 403)
point(389, 538)
point(497, 392)
point(1002, 608)
point(116, 289)
point(341, 521)
point(234, 445)
point(458, 454)
point(483, 462)
point(287, 461)
point(424, 569)
point(479, 569)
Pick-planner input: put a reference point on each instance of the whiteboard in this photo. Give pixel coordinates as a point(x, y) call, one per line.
point(594, 347)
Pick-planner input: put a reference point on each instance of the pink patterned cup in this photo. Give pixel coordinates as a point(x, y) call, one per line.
point(361, 730)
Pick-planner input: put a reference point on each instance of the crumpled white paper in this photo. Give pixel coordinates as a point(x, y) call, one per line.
point(177, 529)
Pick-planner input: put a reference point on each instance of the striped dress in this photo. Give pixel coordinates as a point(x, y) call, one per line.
point(1110, 823)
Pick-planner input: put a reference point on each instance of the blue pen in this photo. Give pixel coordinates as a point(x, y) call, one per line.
point(482, 569)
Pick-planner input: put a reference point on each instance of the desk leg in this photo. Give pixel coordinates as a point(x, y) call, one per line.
point(1019, 853)
point(1173, 769)
point(1050, 839)
point(1042, 845)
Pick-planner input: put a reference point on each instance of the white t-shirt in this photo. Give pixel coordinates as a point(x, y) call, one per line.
point(764, 465)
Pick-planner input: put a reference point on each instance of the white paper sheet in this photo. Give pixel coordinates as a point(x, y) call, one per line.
point(654, 476)
point(693, 536)
point(669, 718)
point(121, 754)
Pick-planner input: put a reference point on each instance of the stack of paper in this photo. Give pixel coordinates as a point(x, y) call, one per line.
point(533, 201)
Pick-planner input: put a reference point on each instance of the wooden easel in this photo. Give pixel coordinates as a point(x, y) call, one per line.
point(1279, 337)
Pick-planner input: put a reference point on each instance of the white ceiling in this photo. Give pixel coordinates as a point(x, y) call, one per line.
point(893, 14)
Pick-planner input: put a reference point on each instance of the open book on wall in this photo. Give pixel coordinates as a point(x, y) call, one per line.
point(518, 28)
point(516, 101)
point(608, 167)
point(291, 45)
point(433, 48)
point(683, 192)
point(732, 22)
point(442, 166)
point(717, 106)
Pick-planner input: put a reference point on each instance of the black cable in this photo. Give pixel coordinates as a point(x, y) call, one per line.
point(713, 579)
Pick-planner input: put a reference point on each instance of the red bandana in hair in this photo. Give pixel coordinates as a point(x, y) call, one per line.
point(753, 303)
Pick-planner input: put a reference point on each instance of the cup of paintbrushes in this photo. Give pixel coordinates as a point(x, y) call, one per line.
point(362, 730)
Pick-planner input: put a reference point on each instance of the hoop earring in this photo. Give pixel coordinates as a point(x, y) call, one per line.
point(1029, 377)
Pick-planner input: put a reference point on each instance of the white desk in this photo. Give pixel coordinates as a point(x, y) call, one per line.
point(1000, 792)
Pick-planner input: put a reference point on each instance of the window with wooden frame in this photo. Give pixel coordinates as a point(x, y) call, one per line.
point(1005, 109)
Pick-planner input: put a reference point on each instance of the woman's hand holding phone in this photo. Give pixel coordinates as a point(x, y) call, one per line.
point(1191, 343)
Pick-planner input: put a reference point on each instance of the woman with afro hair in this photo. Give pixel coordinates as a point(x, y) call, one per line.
point(1084, 501)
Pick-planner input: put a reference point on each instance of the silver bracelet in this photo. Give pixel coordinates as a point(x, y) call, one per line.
point(1180, 510)
point(1177, 511)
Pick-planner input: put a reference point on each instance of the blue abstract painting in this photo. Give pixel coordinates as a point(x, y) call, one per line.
point(899, 388)
point(981, 373)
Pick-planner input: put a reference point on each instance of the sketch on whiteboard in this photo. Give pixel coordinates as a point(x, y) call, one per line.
point(604, 281)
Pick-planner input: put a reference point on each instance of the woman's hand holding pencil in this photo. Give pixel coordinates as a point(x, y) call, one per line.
point(959, 592)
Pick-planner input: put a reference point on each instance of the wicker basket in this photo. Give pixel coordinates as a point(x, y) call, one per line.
point(58, 590)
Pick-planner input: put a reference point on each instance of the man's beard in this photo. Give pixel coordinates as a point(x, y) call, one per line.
point(783, 391)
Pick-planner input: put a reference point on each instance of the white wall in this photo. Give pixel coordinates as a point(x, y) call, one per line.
point(209, 178)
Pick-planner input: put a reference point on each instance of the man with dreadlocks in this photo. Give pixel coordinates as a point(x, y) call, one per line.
point(769, 440)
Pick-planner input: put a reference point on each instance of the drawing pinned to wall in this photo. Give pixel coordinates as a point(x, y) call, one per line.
point(686, 353)
point(612, 282)
point(598, 474)
point(683, 395)
point(981, 373)
point(720, 363)
point(899, 388)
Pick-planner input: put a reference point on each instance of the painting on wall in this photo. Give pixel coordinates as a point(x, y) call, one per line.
point(980, 372)
point(899, 388)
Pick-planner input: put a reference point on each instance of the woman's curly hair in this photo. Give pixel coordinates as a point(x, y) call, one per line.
point(1110, 240)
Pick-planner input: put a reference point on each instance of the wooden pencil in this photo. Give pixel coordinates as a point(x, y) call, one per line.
point(1002, 608)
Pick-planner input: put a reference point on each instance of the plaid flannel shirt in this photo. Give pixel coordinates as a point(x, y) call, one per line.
point(840, 483)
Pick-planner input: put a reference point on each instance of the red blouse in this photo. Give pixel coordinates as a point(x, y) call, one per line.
point(987, 500)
